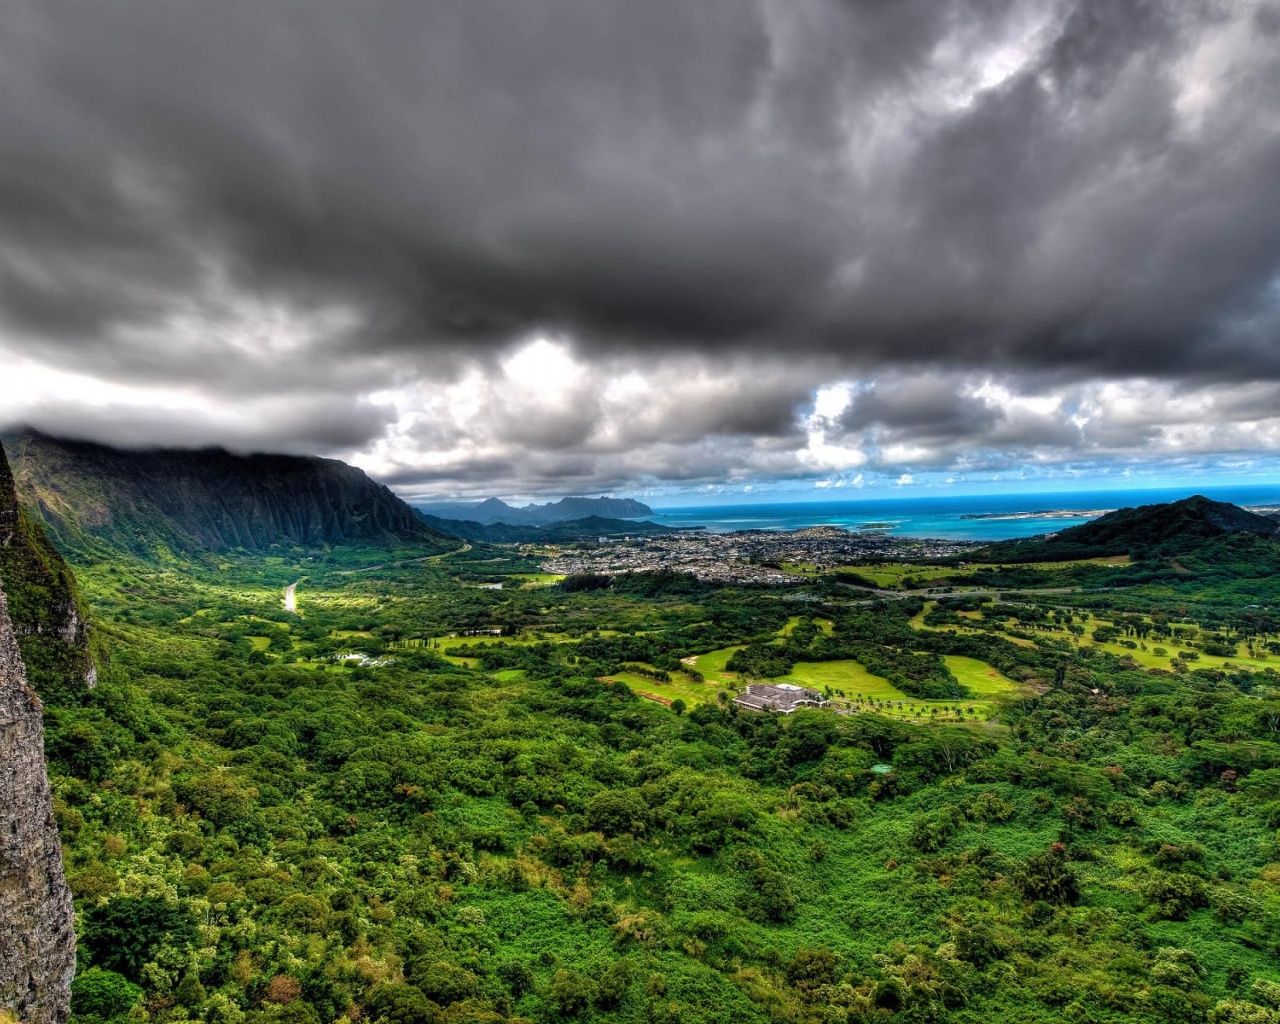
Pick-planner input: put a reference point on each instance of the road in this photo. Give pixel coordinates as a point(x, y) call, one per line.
point(291, 598)
point(466, 546)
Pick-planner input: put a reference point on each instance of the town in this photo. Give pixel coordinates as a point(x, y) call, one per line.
point(760, 557)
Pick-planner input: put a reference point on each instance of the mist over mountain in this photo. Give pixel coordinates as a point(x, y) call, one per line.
point(190, 500)
point(496, 511)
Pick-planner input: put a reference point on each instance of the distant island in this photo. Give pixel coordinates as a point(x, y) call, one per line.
point(1054, 513)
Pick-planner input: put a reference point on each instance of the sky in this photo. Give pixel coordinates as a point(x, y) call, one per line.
point(664, 249)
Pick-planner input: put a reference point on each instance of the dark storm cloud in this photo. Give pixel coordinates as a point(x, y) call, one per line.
point(920, 407)
point(711, 175)
point(285, 201)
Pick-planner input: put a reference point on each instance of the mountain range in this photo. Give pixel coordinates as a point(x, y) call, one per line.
point(159, 501)
point(495, 511)
point(202, 499)
point(153, 502)
point(566, 531)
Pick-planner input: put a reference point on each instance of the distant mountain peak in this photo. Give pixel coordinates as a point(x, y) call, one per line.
point(494, 511)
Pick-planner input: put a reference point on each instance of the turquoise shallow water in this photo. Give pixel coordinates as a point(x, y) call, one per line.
point(1003, 515)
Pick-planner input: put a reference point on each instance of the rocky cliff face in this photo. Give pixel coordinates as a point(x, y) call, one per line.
point(37, 942)
point(41, 628)
point(202, 500)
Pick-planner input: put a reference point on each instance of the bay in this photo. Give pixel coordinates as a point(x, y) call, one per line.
point(985, 517)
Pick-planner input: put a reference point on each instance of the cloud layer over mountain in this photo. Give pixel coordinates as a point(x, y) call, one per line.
point(565, 246)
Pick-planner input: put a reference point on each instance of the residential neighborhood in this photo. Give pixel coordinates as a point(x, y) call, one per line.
point(762, 557)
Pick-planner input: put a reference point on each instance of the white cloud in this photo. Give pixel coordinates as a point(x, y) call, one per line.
point(542, 418)
point(831, 401)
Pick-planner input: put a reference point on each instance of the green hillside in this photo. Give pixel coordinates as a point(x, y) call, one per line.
point(1148, 531)
point(43, 601)
point(161, 502)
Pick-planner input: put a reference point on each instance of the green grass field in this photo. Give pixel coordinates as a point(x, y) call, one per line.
point(824, 624)
point(859, 685)
point(981, 678)
point(867, 692)
point(849, 676)
point(507, 675)
point(712, 666)
point(891, 577)
point(537, 579)
point(681, 686)
point(1149, 659)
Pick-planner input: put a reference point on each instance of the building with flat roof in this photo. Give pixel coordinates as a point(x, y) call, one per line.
point(783, 698)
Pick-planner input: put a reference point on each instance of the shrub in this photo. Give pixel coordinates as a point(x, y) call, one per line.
point(103, 993)
point(619, 811)
point(399, 1004)
point(572, 992)
point(1048, 878)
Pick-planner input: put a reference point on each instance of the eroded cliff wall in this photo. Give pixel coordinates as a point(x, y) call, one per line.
point(156, 502)
point(37, 941)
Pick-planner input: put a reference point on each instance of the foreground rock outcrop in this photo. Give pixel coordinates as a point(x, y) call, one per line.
point(37, 942)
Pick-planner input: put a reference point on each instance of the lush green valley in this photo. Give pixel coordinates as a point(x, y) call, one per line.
point(377, 809)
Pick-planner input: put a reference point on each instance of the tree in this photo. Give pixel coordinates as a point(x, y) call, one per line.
point(613, 985)
point(572, 992)
point(102, 993)
point(517, 976)
point(399, 1004)
point(189, 991)
point(1048, 877)
point(618, 811)
point(810, 968)
point(123, 933)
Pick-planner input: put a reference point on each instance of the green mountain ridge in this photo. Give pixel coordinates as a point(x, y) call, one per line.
point(48, 616)
point(152, 501)
point(1144, 532)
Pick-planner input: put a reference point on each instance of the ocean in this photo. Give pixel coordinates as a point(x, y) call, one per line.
point(984, 517)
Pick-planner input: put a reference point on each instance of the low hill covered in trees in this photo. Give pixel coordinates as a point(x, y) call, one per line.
point(1148, 531)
